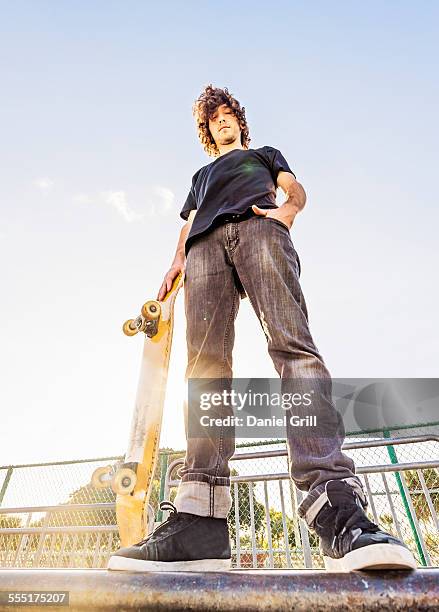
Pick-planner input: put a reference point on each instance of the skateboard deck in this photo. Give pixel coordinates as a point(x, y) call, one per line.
point(132, 482)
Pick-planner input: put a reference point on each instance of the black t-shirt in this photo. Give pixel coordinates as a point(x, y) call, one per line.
point(230, 185)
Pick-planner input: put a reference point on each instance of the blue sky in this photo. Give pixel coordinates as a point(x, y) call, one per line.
point(98, 150)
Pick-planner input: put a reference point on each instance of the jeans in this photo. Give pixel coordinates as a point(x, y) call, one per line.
point(255, 255)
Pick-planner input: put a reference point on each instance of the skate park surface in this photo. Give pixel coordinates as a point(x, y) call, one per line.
point(234, 590)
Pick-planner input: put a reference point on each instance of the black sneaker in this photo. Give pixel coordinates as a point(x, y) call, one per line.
point(184, 542)
point(350, 541)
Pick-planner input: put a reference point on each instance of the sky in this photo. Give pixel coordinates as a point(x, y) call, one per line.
point(97, 150)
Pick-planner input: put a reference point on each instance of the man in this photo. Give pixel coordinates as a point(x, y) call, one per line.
point(237, 243)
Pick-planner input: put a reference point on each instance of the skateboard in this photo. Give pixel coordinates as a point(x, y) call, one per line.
point(132, 480)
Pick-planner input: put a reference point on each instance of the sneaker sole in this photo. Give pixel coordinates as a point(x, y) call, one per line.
point(373, 556)
point(138, 565)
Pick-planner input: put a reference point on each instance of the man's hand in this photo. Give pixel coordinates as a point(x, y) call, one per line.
point(170, 276)
point(296, 198)
point(285, 215)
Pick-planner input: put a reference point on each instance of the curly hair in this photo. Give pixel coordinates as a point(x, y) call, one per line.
point(205, 106)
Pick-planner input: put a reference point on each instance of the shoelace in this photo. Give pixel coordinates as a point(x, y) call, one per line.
point(167, 505)
point(164, 505)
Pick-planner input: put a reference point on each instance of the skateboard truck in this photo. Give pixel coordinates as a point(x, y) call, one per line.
point(146, 322)
point(121, 479)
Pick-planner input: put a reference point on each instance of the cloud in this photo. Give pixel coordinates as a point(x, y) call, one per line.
point(158, 208)
point(167, 196)
point(118, 200)
point(44, 184)
point(159, 202)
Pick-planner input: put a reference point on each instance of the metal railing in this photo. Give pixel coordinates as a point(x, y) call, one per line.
point(268, 533)
point(50, 515)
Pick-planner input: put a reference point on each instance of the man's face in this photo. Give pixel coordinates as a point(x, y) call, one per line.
point(223, 126)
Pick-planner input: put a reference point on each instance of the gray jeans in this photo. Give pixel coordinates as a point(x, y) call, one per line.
point(256, 255)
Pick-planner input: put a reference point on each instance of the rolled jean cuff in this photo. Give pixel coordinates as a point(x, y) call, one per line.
point(317, 498)
point(203, 499)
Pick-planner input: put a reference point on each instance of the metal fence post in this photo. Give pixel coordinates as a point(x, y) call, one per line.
point(5, 484)
point(394, 459)
point(163, 470)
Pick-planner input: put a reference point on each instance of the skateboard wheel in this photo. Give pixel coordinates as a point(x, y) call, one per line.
point(151, 310)
point(129, 328)
point(124, 481)
point(101, 477)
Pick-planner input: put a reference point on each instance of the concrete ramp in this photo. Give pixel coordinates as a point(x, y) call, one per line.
point(236, 590)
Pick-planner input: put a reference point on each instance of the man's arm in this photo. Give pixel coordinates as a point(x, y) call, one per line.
point(296, 196)
point(295, 202)
point(179, 261)
point(179, 256)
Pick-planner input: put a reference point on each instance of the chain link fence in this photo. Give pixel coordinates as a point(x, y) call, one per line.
point(51, 516)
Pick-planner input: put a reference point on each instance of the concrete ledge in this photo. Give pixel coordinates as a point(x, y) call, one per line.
point(236, 590)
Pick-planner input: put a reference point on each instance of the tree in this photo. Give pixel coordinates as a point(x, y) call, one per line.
point(386, 520)
point(9, 522)
point(244, 491)
point(277, 530)
point(417, 495)
point(10, 541)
